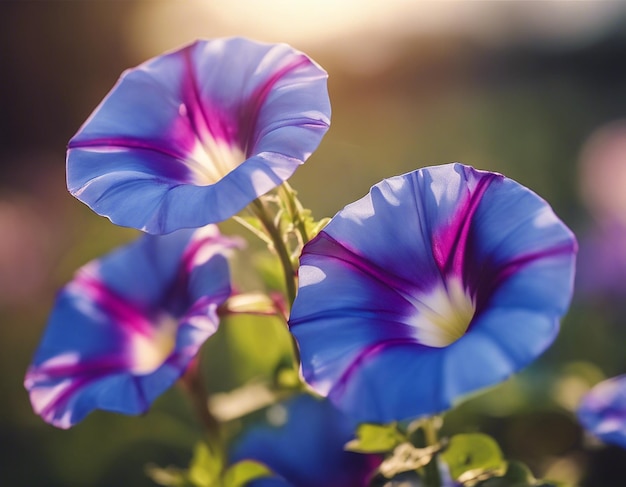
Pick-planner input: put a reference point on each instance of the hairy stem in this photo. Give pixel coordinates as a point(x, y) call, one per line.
point(289, 272)
point(295, 210)
point(280, 247)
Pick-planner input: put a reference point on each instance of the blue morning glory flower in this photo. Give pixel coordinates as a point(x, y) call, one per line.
point(437, 283)
point(128, 324)
point(603, 411)
point(192, 136)
point(302, 442)
point(601, 269)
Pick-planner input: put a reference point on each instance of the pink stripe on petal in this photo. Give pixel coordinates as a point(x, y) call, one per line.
point(250, 112)
point(450, 243)
point(118, 310)
point(205, 117)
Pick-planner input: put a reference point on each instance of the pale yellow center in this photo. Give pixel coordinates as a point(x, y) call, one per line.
point(444, 314)
point(211, 160)
point(151, 351)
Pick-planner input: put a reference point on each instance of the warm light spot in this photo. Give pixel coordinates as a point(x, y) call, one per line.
point(211, 160)
point(227, 406)
point(443, 315)
point(150, 351)
point(277, 415)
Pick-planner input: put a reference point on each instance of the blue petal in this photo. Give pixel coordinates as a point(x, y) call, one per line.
point(212, 125)
point(603, 411)
point(382, 282)
point(307, 450)
point(523, 246)
point(269, 482)
point(127, 326)
point(391, 381)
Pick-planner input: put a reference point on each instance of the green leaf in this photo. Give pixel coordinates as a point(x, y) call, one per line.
point(473, 458)
point(375, 438)
point(205, 467)
point(287, 378)
point(243, 472)
point(256, 345)
point(517, 475)
point(407, 458)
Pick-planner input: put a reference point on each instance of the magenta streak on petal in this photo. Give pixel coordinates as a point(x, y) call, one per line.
point(368, 352)
point(202, 117)
point(516, 264)
point(124, 143)
point(490, 279)
point(250, 110)
point(187, 261)
point(612, 413)
point(80, 374)
point(120, 310)
point(178, 172)
point(217, 242)
point(450, 243)
point(99, 366)
point(326, 246)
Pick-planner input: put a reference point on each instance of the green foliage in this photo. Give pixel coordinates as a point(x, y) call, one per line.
point(517, 475)
point(243, 472)
point(407, 458)
point(473, 458)
point(207, 470)
point(268, 268)
point(204, 471)
point(376, 438)
point(205, 467)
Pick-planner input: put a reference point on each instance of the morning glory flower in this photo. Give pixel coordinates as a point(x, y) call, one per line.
point(601, 269)
point(603, 411)
point(128, 324)
point(302, 442)
point(192, 136)
point(437, 283)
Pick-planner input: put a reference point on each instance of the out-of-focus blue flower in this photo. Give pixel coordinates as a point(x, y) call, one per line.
point(601, 272)
point(601, 269)
point(603, 411)
point(303, 441)
point(191, 137)
point(437, 283)
point(128, 324)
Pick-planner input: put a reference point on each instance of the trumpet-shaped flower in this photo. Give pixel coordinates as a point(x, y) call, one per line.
point(437, 283)
point(128, 324)
point(303, 441)
point(603, 411)
point(191, 137)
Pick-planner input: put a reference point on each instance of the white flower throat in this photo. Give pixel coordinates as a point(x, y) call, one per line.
point(150, 351)
point(443, 314)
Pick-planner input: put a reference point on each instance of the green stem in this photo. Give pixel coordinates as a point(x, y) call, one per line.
point(192, 383)
point(432, 478)
point(294, 210)
point(289, 272)
point(280, 247)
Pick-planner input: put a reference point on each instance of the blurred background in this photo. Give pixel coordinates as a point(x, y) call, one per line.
point(535, 90)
